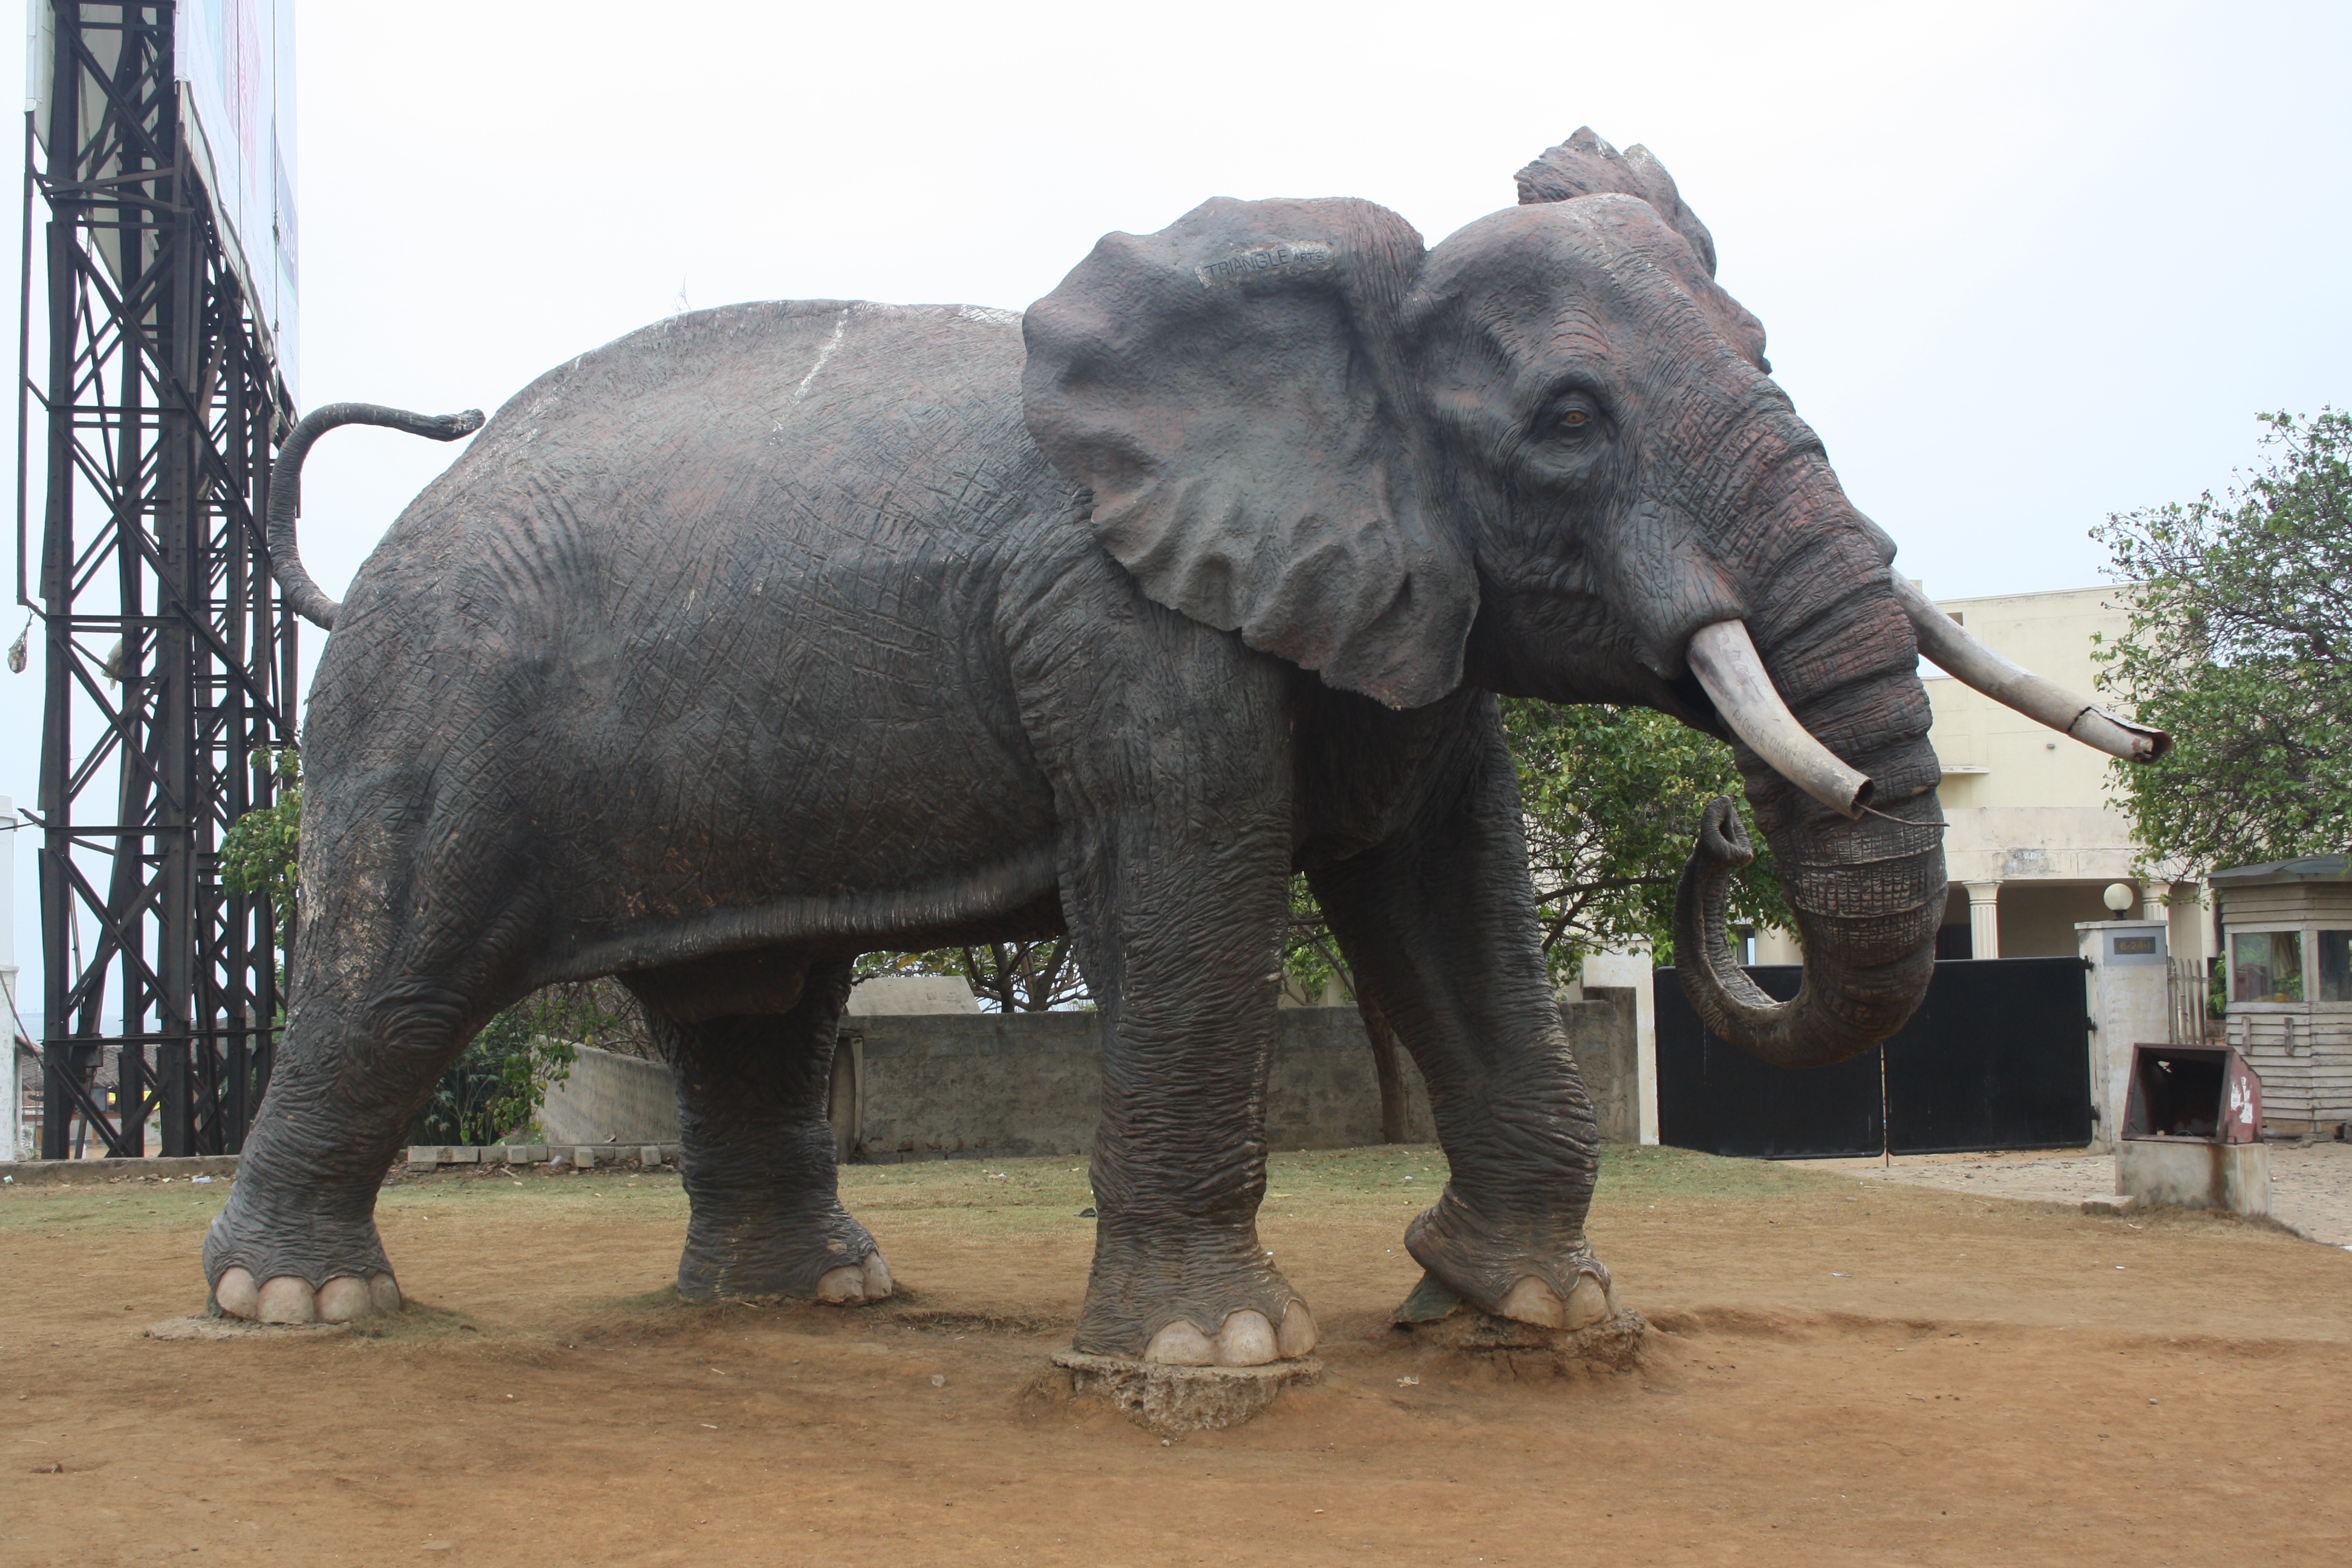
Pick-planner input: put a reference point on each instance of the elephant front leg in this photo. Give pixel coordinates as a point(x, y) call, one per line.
point(1439, 927)
point(1192, 933)
point(756, 1152)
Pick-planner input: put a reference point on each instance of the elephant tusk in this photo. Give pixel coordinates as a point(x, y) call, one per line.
point(1970, 662)
point(1723, 658)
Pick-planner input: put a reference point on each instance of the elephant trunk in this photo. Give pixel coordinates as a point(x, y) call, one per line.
point(1862, 868)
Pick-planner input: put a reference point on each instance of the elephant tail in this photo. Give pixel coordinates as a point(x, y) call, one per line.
point(305, 596)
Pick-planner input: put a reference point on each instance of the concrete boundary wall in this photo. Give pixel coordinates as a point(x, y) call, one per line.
point(151, 1168)
point(610, 1097)
point(584, 1156)
point(945, 1085)
point(942, 1086)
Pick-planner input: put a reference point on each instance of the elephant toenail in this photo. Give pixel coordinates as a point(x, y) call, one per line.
point(288, 1299)
point(342, 1298)
point(1181, 1343)
point(237, 1295)
point(383, 1294)
point(878, 1284)
point(1531, 1300)
point(842, 1287)
point(1298, 1335)
point(1246, 1340)
point(1588, 1302)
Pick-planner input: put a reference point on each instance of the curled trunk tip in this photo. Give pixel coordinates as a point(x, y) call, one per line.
point(1840, 1010)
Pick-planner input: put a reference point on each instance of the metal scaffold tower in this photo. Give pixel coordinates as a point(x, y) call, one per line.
point(171, 655)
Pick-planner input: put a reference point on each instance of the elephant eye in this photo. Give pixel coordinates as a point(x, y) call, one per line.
point(1568, 425)
point(1574, 423)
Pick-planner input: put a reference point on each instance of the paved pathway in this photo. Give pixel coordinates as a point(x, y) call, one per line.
point(2311, 1185)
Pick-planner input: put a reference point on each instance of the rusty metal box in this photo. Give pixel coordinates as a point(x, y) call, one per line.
point(2192, 1094)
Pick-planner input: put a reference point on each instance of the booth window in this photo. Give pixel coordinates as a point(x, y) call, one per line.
point(2266, 966)
point(2335, 966)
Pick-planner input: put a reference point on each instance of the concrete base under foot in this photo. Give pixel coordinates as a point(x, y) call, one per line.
point(2158, 1174)
point(1613, 1344)
point(1170, 1399)
point(205, 1327)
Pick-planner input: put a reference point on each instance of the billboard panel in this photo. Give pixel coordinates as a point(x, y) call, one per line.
point(234, 61)
point(235, 64)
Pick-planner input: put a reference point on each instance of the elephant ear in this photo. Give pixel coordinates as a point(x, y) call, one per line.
point(1230, 390)
point(1585, 165)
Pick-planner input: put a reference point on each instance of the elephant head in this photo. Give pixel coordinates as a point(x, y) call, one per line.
point(1545, 456)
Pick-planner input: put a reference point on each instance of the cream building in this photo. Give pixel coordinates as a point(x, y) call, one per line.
point(2034, 836)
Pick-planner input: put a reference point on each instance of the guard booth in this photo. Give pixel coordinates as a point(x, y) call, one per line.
point(2287, 929)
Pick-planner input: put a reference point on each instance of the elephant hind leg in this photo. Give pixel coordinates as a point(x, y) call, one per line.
point(296, 1242)
point(756, 1144)
point(414, 933)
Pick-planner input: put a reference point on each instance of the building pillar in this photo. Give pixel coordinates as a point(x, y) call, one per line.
point(12, 1096)
point(1984, 920)
point(2151, 901)
point(1636, 971)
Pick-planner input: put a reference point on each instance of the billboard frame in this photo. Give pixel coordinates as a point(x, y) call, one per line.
point(162, 405)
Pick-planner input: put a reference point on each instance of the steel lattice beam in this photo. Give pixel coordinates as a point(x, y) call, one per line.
point(171, 656)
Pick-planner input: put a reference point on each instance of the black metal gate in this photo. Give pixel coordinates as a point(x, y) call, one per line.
point(1995, 1057)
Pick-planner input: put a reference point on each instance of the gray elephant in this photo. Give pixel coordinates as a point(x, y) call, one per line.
point(775, 633)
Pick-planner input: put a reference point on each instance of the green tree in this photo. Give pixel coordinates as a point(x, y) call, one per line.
point(1611, 798)
point(2240, 644)
point(500, 1079)
point(1007, 976)
point(258, 852)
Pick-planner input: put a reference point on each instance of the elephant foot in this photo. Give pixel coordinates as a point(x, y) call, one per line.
point(1537, 1274)
point(1587, 1332)
point(815, 1252)
point(283, 1259)
point(1531, 1301)
point(1200, 1305)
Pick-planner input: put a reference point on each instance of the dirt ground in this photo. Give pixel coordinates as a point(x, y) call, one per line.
point(1844, 1373)
point(2311, 1181)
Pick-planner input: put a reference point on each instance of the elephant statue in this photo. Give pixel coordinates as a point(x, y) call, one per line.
point(775, 633)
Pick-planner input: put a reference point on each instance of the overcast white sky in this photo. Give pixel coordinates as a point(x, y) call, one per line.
point(2022, 264)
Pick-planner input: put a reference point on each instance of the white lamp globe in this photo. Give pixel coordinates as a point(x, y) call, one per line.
point(2119, 896)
